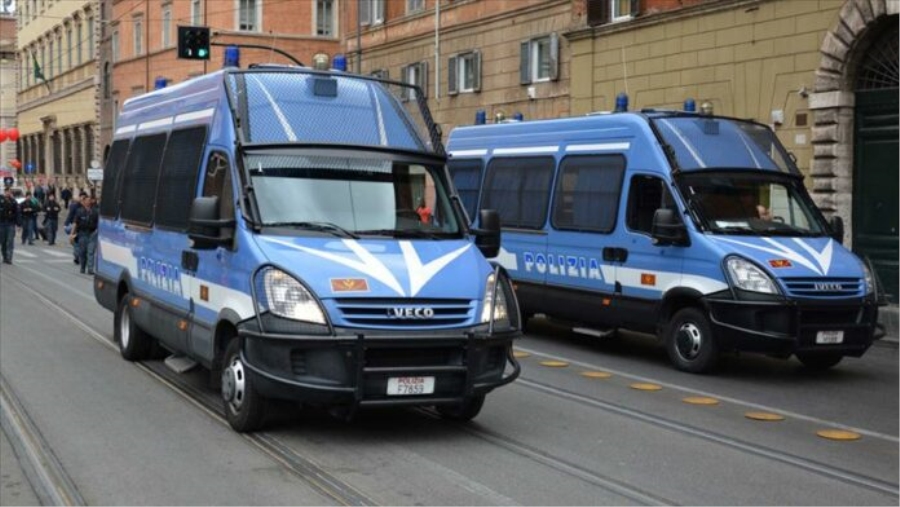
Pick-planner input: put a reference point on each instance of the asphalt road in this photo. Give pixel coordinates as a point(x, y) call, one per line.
point(123, 433)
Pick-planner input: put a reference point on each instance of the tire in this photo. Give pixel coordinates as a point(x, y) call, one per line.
point(819, 361)
point(245, 409)
point(465, 411)
point(690, 342)
point(134, 343)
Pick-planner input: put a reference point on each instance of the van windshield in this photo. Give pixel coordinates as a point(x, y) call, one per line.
point(344, 195)
point(751, 203)
point(699, 142)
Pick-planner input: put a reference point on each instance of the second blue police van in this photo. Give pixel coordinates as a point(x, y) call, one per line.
point(694, 227)
point(296, 232)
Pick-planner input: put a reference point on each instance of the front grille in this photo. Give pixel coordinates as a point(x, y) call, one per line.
point(406, 313)
point(824, 287)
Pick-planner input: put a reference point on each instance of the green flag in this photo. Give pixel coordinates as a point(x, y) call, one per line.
point(38, 73)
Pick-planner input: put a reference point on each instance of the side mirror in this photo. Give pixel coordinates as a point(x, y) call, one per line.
point(668, 228)
point(487, 238)
point(205, 227)
point(837, 229)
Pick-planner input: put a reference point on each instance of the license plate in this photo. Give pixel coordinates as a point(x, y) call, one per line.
point(405, 386)
point(828, 337)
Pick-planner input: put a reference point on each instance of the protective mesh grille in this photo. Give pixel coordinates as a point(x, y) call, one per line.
point(109, 202)
point(294, 106)
point(177, 185)
point(141, 176)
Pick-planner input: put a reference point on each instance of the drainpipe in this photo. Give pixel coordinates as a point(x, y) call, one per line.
point(437, 50)
point(359, 36)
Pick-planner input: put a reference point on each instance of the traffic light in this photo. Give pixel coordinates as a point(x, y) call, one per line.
point(193, 42)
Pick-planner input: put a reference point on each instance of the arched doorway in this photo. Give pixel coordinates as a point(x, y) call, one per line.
point(876, 169)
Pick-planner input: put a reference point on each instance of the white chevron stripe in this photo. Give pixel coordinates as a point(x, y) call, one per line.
point(419, 274)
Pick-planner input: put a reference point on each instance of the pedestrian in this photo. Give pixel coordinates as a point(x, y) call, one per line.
point(9, 217)
point(51, 218)
point(66, 196)
point(69, 223)
point(30, 208)
point(86, 220)
point(39, 193)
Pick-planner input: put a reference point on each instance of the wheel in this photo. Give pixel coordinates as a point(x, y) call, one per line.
point(819, 360)
point(245, 409)
point(690, 342)
point(465, 411)
point(134, 343)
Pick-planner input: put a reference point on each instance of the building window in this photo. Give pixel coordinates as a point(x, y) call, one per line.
point(59, 55)
point(381, 74)
point(539, 60)
point(325, 18)
point(48, 63)
point(90, 29)
point(78, 42)
point(69, 46)
point(371, 12)
point(138, 31)
point(413, 6)
point(416, 74)
point(464, 73)
point(167, 25)
point(107, 83)
point(196, 13)
point(606, 11)
point(249, 16)
point(115, 45)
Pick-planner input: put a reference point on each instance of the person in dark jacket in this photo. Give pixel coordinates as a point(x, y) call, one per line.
point(70, 218)
point(51, 218)
point(86, 220)
point(9, 218)
point(66, 196)
point(30, 208)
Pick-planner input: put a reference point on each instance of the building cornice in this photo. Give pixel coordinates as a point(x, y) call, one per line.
point(85, 84)
point(644, 21)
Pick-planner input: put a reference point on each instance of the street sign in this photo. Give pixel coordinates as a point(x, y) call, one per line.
point(95, 174)
point(8, 181)
point(29, 167)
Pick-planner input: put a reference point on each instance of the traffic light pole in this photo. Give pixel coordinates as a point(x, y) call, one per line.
point(258, 46)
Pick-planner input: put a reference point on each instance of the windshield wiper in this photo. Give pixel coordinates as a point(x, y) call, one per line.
point(735, 229)
point(316, 226)
point(402, 233)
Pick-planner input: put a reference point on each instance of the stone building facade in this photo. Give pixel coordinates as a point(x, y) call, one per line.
point(57, 115)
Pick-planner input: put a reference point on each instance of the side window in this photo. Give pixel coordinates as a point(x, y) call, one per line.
point(141, 177)
point(217, 182)
point(646, 195)
point(109, 197)
point(519, 189)
point(466, 176)
point(587, 192)
point(178, 180)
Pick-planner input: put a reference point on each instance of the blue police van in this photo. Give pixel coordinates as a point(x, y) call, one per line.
point(295, 231)
point(693, 227)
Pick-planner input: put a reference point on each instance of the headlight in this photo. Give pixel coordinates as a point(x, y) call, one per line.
point(747, 276)
point(870, 280)
point(288, 298)
point(494, 301)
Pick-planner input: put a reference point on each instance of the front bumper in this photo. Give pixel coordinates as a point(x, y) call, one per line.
point(352, 367)
point(784, 327)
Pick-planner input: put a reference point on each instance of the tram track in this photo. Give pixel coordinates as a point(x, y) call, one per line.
point(344, 493)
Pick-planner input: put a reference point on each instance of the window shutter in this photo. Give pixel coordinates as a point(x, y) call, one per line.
point(365, 12)
point(423, 73)
point(378, 12)
point(525, 63)
point(404, 77)
point(452, 79)
point(598, 12)
point(554, 56)
point(476, 85)
point(635, 7)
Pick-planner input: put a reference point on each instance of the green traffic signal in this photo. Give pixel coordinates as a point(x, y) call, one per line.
point(193, 42)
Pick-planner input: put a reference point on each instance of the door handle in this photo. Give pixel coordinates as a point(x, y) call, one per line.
point(615, 254)
point(189, 261)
